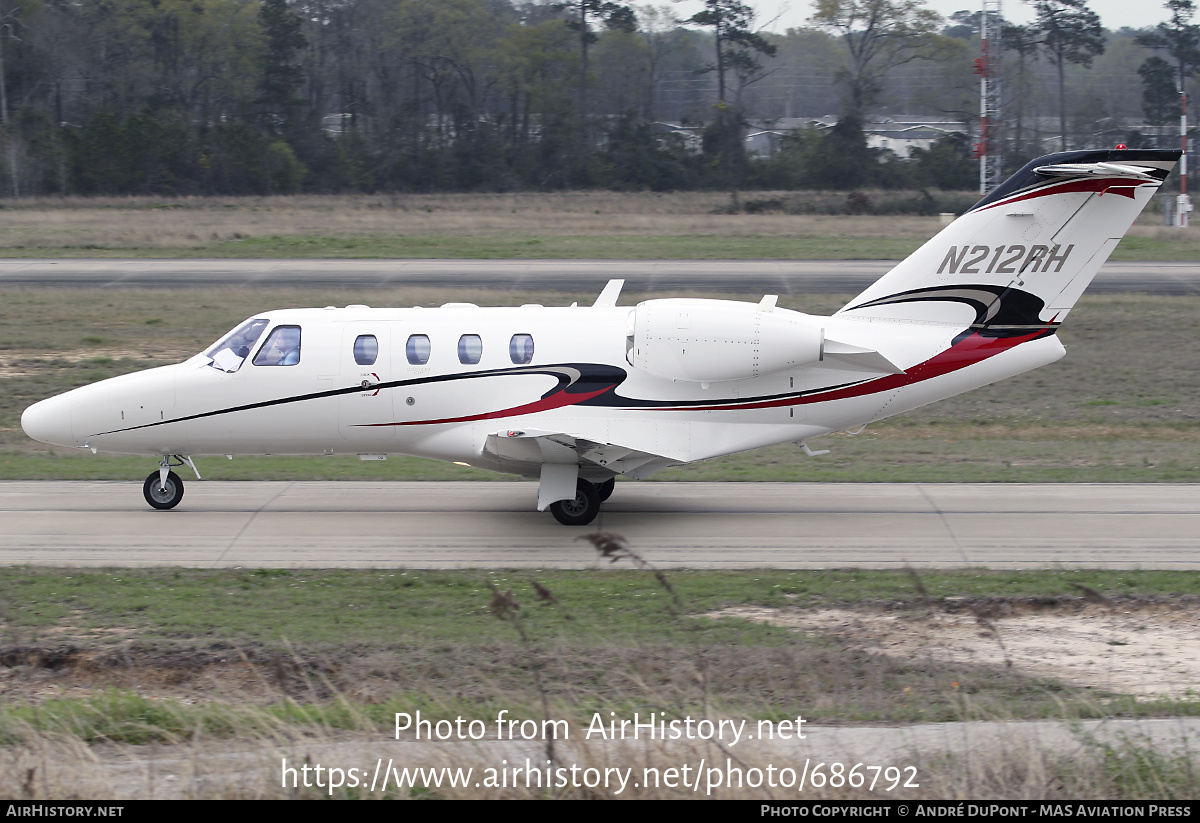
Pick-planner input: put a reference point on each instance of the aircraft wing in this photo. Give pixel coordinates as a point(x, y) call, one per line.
point(559, 459)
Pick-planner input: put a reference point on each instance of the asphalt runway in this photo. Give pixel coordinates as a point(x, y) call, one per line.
point(727, 276)
point(696, 525)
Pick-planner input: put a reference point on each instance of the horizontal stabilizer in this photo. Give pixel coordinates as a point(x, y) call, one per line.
point(1095, 170)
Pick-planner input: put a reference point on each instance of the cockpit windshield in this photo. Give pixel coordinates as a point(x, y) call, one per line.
point(233, 349)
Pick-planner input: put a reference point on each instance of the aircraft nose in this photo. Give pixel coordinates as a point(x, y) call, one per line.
point(49, 421)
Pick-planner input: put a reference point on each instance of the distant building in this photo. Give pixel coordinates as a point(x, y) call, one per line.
point(902, 136)
point(896, 133)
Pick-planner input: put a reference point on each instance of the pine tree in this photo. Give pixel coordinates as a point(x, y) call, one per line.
point(1069, 32)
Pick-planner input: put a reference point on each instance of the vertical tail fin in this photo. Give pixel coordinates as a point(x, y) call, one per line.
point(1022, 256)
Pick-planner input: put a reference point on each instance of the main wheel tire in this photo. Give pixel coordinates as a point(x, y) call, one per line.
point(160, 496)
point(605, 489)
point(581, 509)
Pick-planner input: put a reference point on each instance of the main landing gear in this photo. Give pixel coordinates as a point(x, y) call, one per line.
point(584, 507)
point(163, 489)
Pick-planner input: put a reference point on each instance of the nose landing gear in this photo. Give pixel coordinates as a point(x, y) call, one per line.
point(163, 488)
point(163, 493)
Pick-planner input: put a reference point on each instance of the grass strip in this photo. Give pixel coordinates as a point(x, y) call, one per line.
point(342, 649)
point(553, 247)
point(323, 608)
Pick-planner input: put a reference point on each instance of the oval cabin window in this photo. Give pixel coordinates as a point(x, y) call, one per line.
point(520, 348)
point(417, 349)
point(366, 349)
point(470, 349)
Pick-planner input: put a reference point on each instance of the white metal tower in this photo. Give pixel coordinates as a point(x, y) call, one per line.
point(989, 149)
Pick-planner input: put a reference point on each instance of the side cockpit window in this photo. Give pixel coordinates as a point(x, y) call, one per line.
point(281, 349)
point(232, 350)
point(366, 349)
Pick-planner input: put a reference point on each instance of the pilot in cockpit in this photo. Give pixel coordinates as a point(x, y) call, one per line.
point(281, 349)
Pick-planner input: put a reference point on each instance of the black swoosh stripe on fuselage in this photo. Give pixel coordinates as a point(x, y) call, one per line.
point(565, 384)
point(590, 376)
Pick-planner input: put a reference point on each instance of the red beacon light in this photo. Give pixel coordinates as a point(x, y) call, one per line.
point(1121, 147)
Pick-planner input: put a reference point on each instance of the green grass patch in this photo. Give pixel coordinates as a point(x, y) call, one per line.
point(552, 247)
point(517, 245)
point(502, 247)
point(323, 608)
point(1183, 246)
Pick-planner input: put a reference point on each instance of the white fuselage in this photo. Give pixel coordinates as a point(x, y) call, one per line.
point(327, 403)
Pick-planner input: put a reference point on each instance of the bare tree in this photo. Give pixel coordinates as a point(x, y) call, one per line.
point(880, 36)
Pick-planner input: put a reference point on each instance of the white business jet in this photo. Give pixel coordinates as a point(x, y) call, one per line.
point(576, 396)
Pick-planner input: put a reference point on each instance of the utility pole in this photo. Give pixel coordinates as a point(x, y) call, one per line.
point(989, 149)
point(1184, 205)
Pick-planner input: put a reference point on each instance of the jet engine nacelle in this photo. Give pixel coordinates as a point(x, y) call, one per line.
point(707, 341)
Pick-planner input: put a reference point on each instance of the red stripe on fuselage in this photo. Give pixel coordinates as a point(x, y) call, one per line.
point(966, 352)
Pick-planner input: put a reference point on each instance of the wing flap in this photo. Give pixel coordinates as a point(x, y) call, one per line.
point(525, 452)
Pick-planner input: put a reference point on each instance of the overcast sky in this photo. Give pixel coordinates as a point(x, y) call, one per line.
point(1114, 14)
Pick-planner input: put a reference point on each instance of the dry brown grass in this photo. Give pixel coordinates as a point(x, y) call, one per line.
point(430, 215)
point(573, 202)
point(143, 225)
point(998, 762)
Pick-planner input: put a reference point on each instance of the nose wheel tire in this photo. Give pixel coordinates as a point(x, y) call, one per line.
point(579, 510)
point(163, 496)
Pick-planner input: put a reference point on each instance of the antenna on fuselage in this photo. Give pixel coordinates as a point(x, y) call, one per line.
point(608, 297)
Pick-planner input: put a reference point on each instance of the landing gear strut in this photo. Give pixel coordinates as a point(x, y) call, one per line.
point(581, 509)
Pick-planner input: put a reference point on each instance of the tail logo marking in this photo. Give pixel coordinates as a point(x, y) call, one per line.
point(1036, 259)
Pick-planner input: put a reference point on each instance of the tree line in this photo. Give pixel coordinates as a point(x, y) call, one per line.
point(281, 96)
